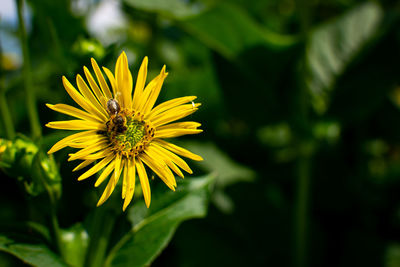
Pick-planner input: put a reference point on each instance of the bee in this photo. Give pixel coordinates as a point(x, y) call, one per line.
point(113, 108)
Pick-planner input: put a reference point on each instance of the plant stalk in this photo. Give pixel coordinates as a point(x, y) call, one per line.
point(104, 220)
point(36, 128)
point(5, 112)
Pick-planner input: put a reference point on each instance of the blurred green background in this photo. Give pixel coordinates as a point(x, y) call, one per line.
point(300, 111)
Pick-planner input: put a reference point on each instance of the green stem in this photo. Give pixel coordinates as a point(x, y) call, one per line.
point(301, 216)
point(5, 112)
point(56, 232)
point(29, 92)
point(104, 220)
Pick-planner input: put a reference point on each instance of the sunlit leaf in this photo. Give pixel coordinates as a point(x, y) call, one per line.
point(33, 254)
point(21, 158)
point(75, 242)
point(216, 161)
point(333, 46)
point(153, 228)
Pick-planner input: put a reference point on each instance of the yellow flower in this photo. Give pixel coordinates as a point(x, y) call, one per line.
point(124, 133)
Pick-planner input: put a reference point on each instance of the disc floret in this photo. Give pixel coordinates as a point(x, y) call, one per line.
point(128, 133)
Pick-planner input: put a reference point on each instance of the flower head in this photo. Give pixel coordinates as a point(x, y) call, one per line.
point(122, 132)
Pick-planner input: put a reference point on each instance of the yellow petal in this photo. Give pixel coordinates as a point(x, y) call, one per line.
point(79, 99)
point(180, 125)
point(157, 165)
point(170, 133)
point(144, 181)
point(131, 173)
point(83, 164)
point(178, 150)
point(72, 111)
point(100, 78)
point(97, 167)
point(101, 154)
point(111, 183)
point(169, 105)
point(124, 80)
point(105, 173)
point(167, 160)
point(64, 142)
point(76, 125)
point(111, 78)
point(102, 144)
point(175, 159)
point(155, 92)
point(174, 114)
point(87, 93)
point(140, 82)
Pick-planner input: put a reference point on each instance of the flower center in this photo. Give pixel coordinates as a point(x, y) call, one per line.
point(128, 133)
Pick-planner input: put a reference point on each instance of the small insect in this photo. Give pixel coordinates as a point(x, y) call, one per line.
point(193, 104)
point(113, 108)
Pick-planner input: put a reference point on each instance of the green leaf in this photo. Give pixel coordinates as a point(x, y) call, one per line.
point(229, 30)
point(334, 45)
point(216, 161)
point(153, 228)
point(22, 158)
point(33, 254)
point(171, 8)
point(75, 242)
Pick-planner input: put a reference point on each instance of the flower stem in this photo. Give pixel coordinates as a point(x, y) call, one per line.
point(29, 92)
point(104, 219)
point(5, 112)
point(301, 216)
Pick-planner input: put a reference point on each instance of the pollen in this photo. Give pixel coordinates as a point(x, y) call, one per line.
point(128, 133)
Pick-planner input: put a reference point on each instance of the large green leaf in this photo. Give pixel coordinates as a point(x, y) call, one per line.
point(171, 8)
point(229, 30)
point(334, 45)
point(153, 228)
point(22, 158)
point(33, 254)
point(224, 27)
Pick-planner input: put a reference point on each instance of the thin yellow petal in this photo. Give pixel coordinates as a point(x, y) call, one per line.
point(92, 148)
point(74, 112)
point(125, 180)
point(155, 92)
point(140, 82)
point(180, 125)
point(64, 142)
point(124, 79)
point(167, 160)
point(87, 93)
point(131, 180)
point(105, 173)
point(97, 167)
point(100, 78)
point(111, 78)
point(83, 164)
point(178, 150)
point(159, 167)
point(76, 125)
point(101, 154)
point(94, 87)
point(171, 133)
point(110, 186)
point(169, 105)
point(118, 163)
point(174, 114)
point(79, 99)
point(175, 159)
point(144, 181)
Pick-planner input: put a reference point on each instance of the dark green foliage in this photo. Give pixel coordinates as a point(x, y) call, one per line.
point(301, 118)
